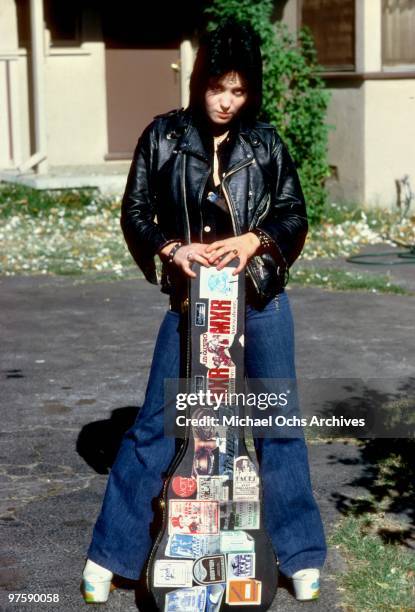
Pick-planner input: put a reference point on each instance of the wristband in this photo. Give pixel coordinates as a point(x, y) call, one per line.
point(173, 252)
point(266, 244)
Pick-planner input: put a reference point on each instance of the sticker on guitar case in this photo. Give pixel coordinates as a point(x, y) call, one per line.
point(218, 283)
point(183, 487)
point(193, 599)
point(200, 314)
point(194, 517)
point(204, 463)
point(199, 383)
point(243, 592)
point(239, 515)
point(183, 545)
point(228, 450)
point(210, 570)
point(236, 541)
point(245, 480)
point(214, 352)
point(213, 487)
point(241, 565)
point(173, 573)
point(214, 597)
point(223, 318)
point(205, 430)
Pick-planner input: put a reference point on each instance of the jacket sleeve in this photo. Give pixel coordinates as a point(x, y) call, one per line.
point(286, 222)
point(142, 234)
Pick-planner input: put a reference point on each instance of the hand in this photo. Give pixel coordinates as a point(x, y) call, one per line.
point(187, 254)
point(221, 252)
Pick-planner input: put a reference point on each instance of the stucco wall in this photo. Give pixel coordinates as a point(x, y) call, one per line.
point(346, 143)
point(76, 106)
point(23, 103)
point(8, 77)
point(8, 25)
point(389, 138)
point(373, 142)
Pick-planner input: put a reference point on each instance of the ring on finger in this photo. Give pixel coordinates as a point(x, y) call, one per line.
point(190, 256)
point(235, 251)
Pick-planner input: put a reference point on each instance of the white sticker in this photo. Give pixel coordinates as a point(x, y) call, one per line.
point(173, 573)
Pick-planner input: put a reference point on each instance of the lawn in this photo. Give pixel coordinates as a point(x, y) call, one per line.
point(376, 535)
point(77, 232)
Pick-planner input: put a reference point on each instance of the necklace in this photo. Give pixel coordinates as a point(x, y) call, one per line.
point(217, 140)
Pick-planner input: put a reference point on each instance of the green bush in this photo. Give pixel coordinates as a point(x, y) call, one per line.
point(294, 97)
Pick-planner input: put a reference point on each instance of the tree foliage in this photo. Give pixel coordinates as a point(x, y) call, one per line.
point(294, 96)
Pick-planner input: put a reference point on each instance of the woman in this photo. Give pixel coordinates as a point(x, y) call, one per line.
point(222, 186)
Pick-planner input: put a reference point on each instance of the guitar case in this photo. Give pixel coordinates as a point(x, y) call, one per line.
point(213, 553)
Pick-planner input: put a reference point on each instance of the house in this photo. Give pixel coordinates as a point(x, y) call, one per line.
point(79, 81)
point(367, 48)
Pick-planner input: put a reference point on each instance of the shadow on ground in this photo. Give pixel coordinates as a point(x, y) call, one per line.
point(98, 442)
point(388, 475)
point(389, 479)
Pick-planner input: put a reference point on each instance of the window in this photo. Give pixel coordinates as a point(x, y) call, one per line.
point(332, 23)
point(398, 32)
point(63, 20)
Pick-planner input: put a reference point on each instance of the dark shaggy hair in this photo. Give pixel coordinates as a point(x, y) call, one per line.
point(232, 46)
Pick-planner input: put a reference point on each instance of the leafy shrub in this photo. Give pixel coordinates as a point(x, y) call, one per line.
point(294, 97)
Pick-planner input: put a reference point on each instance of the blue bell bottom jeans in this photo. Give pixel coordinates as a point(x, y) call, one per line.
point(121, 539)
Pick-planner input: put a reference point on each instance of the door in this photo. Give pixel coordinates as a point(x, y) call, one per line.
point(142, 42)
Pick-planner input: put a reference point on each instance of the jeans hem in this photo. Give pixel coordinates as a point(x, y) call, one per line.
point(302, 563)
point(113, 566)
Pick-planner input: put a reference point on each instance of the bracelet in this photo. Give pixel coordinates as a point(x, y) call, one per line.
point(266, 244)
point(173, 252)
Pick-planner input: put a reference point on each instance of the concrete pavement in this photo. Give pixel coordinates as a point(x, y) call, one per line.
point(75, 360)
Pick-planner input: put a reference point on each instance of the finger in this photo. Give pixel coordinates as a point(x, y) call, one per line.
point(202, 260)
point(242, 263)
point(188, 270)
point(219, 252)
point(226, 260)
point(214, 246)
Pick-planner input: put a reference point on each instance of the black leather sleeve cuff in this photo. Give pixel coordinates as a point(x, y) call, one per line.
point(268, 245)
point(167, 242)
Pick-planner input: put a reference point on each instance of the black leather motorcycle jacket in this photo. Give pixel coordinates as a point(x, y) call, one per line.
point(166, 182)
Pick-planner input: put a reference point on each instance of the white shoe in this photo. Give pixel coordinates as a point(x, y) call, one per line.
point(306, 584)
point(96, 583)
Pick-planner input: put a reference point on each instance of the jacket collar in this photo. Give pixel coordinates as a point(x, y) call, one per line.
point(189, 141)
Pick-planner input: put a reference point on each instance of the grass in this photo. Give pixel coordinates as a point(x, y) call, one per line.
point(60, 232)
point(344, 280)
point(77, 232)
point(17, 199)
point(380, 571)
point(346, 227)
point(380, 576)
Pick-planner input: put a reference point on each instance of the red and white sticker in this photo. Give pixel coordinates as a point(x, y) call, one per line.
point(183, 487)
point(194, 517)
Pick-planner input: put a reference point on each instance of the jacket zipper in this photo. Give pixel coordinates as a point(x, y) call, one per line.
point(202, 191)
point(185, 198)
point(188, 242)
point(262, 215)
point(235, 223)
